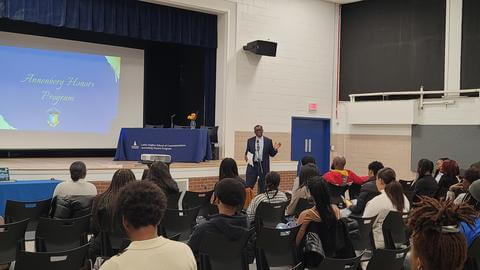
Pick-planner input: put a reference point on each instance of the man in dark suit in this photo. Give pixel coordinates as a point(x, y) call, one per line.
point(262, 149)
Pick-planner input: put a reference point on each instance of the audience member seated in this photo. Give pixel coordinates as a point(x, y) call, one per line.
point(458, 191)
point(105, 204)
point(142, 206)
point(323, 211)
point(340, 179)
point(425, 184)
point(473, 199)
point(306, 173)
point(272, 195)
point(159, 173)
point(437, 242)
point(369, 189)
point(391, 198)
point(305, 160)
point(438, 169)
point(450, 172)
point(230, 194)
point(78, 185)
point(228, 169)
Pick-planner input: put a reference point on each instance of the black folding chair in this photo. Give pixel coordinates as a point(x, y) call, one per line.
point(363, 241)
point(196, 199)
point(112, 238)
point(276, 247)
point(270, 214)
point(336, 194)
point(217, 252)
point(12, 239)
point(473, 255)
point(73, 259)
point(55, 235)
point(16, 211)
point(387, 259)
point(395, 233)
point(178, 221)
point(339, 264)
point(172, 200)
point(302, 204)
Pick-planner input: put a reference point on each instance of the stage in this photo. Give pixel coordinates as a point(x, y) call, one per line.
point(189, 176)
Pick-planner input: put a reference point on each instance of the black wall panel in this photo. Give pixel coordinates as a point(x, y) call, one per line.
point(392, 45)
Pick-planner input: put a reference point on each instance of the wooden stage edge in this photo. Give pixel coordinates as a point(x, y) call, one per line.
point(101, 169)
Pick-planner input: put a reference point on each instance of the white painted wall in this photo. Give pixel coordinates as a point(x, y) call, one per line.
point(270, 90)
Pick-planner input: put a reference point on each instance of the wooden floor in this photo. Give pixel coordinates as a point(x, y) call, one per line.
point(92, 164)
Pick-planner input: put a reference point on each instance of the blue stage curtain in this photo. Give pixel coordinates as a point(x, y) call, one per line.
point(128, 18)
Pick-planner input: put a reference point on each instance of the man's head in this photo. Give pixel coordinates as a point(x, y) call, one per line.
point(471, 175)
point(258, 131)
point(230, 193)
point(142, 205)
point(374, 167)
point(78, 171)
point(339, 163)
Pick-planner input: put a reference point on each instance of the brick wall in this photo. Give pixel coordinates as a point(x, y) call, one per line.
point(207, 183)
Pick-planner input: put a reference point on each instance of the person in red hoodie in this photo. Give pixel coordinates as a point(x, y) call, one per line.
point(340, 179)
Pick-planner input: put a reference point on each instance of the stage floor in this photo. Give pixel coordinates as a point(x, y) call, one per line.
point(102, 169)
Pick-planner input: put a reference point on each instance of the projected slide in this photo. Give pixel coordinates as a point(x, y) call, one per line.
point(43, 90)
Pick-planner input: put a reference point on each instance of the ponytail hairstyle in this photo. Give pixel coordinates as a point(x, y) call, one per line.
point(319, 191)
point(425, 167)
point(393, 188)
point(435, 223)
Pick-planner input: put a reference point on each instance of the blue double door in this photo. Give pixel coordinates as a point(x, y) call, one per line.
point(311, 136)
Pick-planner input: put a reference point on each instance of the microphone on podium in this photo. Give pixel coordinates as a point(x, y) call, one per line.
point(171, 119)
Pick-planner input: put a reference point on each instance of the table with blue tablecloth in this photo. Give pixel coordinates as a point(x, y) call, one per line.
point(25, 191)
point(184, 145)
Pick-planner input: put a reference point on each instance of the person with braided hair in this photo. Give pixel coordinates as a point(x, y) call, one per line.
point(435, 223)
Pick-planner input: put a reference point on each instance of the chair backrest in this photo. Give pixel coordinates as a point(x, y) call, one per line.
point(365, 235)
point(178, 221)
point(277, 246)
point(270, 214)
point(54, 235)
point(172, 200)
point(112, 238)
point(71, 259)
point(395, 230)
point(336, 193)
point(339, 264)
point(474, 252)
point(302, 204)
point(16, 211)
point(11, 239)
point(388, 259)
point(195, 199)
point(217, 252)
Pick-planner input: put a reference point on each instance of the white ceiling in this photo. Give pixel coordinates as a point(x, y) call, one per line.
point(343, 1)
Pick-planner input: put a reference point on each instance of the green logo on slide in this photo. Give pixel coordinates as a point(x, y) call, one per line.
point(4, 124)
point(53, 118)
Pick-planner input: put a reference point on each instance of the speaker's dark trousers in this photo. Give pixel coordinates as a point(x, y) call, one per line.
point(257, 171)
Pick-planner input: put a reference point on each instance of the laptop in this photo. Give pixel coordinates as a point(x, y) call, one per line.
point(4, 174)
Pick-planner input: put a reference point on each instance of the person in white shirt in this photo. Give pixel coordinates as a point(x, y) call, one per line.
point(77, 185)
point(391, 198)
point(142, 206)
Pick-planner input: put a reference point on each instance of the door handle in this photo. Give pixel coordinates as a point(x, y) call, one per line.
point(309, 145)
point(306, 145)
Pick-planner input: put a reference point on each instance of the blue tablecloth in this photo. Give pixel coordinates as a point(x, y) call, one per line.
point(26, 191)
point(184, 145)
